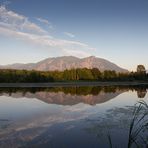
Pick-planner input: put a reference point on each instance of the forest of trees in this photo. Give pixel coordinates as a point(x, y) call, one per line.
point(83, 74)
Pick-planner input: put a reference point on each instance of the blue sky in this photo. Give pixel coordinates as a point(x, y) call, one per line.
point(117, 30)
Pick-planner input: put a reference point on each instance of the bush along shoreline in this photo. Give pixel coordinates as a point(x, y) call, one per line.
point(72, 75)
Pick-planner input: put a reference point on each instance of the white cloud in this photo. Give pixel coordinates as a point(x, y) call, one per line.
point(20, 27)
point(48, 41)
point(77, 53)
point(43, 20)
point(5, 3)
point(46, 22)
point(18, 22)
point(69, 34)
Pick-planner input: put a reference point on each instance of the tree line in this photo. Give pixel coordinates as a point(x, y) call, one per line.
point(79, 74)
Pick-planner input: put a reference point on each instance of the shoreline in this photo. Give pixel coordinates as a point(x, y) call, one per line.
point(70, 84)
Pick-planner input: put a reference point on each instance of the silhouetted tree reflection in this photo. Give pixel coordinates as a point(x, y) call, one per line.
point(141, 93)
point(116, 121)
point(65, 95)
point(83, 90)
point(89, 95)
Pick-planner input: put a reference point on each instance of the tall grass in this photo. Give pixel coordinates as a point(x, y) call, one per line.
point(138, 127)
point(138, 124)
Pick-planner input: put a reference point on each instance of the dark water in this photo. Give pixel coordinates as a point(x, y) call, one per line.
point(76, 117)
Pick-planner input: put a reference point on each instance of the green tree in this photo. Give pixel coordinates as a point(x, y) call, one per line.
point(96, 74)
point(141, 69)
point(141, 72)
point(109, 75)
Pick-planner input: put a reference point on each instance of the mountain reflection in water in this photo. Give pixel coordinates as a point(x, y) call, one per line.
point(73, 95)
point(67, 117)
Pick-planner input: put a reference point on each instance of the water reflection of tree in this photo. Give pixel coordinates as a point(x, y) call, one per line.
point(141, 93)
point(85, 90)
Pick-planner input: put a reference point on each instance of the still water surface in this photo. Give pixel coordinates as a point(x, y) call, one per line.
point(76, 117)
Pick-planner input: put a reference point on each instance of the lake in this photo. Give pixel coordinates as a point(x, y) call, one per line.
point(71, 117)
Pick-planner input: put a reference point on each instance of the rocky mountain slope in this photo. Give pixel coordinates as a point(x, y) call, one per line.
point(67, 62)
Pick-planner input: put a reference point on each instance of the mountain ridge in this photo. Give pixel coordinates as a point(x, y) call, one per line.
point(67, 62)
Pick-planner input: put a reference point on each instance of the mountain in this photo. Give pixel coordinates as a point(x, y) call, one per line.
point(67, 62)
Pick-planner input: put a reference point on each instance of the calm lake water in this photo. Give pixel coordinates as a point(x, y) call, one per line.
point(76, 117)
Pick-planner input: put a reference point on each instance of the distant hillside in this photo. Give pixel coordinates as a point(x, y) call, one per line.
point(67, 62)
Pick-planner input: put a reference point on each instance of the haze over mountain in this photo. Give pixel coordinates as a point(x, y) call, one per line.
point(67, 62)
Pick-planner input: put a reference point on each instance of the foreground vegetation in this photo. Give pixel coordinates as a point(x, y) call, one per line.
point(138, 128)
point(84, 74)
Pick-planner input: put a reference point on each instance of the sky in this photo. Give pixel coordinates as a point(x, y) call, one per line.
point(32, 30)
